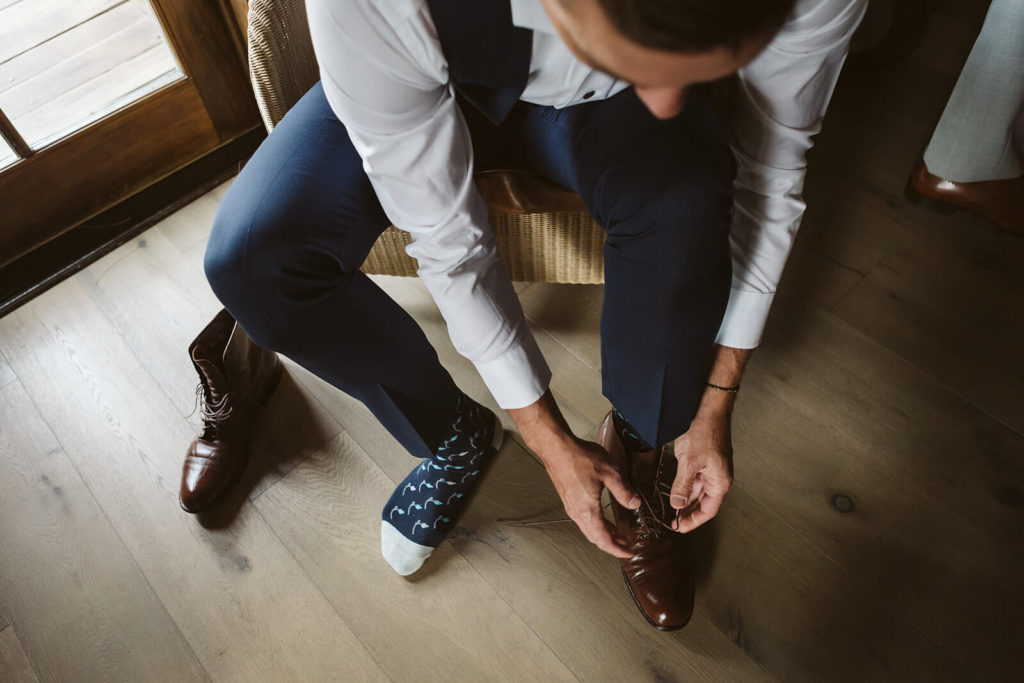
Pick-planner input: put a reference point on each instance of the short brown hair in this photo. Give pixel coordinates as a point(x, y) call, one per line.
point(696, 25)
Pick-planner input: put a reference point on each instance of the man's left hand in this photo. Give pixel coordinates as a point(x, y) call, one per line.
point(704, 474)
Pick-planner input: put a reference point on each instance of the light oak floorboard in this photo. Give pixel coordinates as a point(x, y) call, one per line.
point(82, 607)
point(936, 289)
point(6, 374)
point(918, 463)
point(444, 623)
point(14, 665)
point(796, 612)
point(911, 300)
point(238, 596)
point(158, 305)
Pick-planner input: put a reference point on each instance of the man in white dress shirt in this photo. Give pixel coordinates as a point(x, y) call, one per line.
point(603, 97)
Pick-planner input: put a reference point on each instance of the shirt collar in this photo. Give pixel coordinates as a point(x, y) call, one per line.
point(529, 14)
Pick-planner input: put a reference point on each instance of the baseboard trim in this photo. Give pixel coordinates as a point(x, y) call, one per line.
point(29, 276)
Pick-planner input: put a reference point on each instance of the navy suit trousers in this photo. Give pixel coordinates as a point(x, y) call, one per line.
point(300, 218)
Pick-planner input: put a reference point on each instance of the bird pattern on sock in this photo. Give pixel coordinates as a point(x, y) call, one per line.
point(426, 505)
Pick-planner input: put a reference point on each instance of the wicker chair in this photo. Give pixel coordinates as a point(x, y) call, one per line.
point(544, 234)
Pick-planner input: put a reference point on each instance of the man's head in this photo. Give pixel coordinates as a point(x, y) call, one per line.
point(664, 46)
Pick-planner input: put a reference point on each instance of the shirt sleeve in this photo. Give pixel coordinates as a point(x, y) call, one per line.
point(386, 79)
point(783, 95)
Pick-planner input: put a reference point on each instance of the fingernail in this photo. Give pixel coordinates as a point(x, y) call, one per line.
point(634, 502)
point(677, 503)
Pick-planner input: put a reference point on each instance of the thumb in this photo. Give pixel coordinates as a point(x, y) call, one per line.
point(621, 491)
point(682, 487)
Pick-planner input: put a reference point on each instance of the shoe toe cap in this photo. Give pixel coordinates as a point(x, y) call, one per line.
point(204, 476)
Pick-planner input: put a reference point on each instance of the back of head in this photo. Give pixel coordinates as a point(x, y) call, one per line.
point(696, 25)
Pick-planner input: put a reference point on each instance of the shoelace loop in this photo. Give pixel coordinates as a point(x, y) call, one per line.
point(212, 412)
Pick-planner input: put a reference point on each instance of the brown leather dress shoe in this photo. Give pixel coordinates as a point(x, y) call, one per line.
point(1000, 201)
point(660, 574)
point(236, 378)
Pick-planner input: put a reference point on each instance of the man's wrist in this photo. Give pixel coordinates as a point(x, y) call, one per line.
point(715, 403)
point(727, 368)
point(542, 426)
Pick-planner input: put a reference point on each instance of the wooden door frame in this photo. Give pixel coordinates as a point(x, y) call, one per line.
point(73, 179)
point(199, 34)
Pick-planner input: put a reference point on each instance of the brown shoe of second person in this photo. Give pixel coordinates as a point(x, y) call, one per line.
point(1000, 201)
point(236, 378)
point(660, 575)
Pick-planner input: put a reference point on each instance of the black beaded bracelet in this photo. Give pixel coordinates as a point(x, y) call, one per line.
point(731, 390)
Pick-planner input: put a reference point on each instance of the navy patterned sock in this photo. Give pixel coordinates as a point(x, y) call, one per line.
point(428, 502)
point(630, 438)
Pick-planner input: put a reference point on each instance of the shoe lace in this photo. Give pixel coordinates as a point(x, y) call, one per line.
point(212, 412)
point(648, 519)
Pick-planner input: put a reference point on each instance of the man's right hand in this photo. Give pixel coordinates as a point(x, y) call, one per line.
point(579, 469)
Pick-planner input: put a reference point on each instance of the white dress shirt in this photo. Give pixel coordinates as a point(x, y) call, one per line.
point(385, 77)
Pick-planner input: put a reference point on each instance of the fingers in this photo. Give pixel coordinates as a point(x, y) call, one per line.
point(697, 494)
point(601, 533)
point(707, 509)
point(702, 510)
point(620, 490)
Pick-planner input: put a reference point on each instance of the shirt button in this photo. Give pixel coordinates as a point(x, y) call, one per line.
point(587, 95)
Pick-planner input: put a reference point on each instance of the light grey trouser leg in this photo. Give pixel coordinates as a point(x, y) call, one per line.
point(981, 133)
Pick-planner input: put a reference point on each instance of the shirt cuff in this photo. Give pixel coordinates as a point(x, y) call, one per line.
point(745, 318)
point(519, 376)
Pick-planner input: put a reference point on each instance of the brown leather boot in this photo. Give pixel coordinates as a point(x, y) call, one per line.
point(1000, 201)
point(660, 574)
point(236, 378)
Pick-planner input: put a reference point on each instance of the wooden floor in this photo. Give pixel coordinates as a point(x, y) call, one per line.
point(873, 533)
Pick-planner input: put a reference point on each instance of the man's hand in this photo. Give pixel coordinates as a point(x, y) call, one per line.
point(579, 469)
point(704, 452)
point(579, 472)
point(704, 475)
